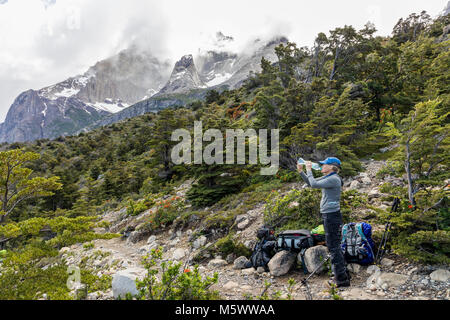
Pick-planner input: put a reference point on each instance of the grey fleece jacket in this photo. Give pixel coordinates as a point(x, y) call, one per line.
point(331, 190)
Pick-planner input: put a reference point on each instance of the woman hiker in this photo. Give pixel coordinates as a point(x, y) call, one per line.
point(331, 185)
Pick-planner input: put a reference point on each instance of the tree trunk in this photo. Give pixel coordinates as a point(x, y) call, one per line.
point(409, 176)
point(336, 56)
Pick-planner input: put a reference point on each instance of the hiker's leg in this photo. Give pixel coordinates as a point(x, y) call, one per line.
point(332, 226)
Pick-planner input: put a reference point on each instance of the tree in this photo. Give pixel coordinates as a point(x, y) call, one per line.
point(424, 135)
point(16, 183)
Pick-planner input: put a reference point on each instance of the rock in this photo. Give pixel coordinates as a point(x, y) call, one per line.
point(230, 285)
point(260, 270)
point(240, 263)
point(179, 254)
point(373, 268)
point(354, 268)
point(247, 272)
point(355, 184)
point(151, 239)
point(230, 258)
point(250, 244)
point(243, 224)
point(391, 279)
point(440, 275)
point(281, 263)
point(199, 242)
point(314, 256)
point(64, 250)
point(374, 193)
point(387, 262)
point(135, 237)
point(366, 180)
point(217, 263)
point(413, 270)
point(240, 218)
point(123, 282)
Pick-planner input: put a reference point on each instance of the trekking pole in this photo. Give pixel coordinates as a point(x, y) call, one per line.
point(305, 281)
point(387, 229)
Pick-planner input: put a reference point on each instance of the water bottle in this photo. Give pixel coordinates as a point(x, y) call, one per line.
point(314, 165)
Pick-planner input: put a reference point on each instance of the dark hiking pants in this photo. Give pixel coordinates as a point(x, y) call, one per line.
point(332, 223)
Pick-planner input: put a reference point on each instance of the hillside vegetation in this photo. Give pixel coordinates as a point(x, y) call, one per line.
point(350, 95)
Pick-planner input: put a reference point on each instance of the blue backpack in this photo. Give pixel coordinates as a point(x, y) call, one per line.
point(357, 244)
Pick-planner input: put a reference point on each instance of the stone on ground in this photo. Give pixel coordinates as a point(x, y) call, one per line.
point(314, 256)
point(123, 281)
point(281, 263)
point(440, 275)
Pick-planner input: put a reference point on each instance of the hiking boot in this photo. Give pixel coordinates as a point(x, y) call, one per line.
point(339, 284)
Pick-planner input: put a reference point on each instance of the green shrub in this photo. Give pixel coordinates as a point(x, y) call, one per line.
point(172, 282)
point(298, 209)
point(227, 245)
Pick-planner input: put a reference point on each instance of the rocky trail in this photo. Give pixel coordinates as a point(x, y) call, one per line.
point(398, 279)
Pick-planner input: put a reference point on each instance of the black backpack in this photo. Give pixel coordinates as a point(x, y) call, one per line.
point(263, 250)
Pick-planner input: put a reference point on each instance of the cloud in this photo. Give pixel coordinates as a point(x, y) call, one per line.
point(45, 42)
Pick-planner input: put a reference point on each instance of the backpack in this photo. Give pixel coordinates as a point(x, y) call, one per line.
point(318, 235)
point(296, 241)
point(263, 249)
point(357, 244)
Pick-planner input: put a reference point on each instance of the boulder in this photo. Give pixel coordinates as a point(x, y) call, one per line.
point(390, 280)
point(372, 269)
point(366, 180)
point(440, 275)
point(248, 271)
point(124, 282)
point(199, 242)
point(313, 258)
point(230, 285)
point(355, 184)
point(179, 254)
point(217, 263)
point(230, 258)
point(387, 262)
point(354, 268)
point(135, 236)
point(281, 263)
point(243, 224)
point(374, 193)
point(240, 263)
point(151, 239)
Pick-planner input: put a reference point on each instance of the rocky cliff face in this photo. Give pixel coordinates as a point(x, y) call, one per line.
point(184, 77)
point(217, 69)
point(129, 84)
point(107, 87)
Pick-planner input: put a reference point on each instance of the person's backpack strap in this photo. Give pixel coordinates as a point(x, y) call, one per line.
point(344, 233)
point(363, 236)
point(360, 231)
point(302, 255)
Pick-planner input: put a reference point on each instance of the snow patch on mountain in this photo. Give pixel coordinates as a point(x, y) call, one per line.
point(109, 106)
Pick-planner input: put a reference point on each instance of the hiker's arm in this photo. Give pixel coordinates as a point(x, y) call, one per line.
point(305, 178)
point(318, 183)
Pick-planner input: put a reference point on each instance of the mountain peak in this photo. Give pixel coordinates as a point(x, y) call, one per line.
point(185, 62)
point(184, 77)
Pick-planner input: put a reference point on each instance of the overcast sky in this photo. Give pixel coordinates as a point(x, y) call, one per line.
point(43, 42)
